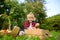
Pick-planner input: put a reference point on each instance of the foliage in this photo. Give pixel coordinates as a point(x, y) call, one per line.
point(25, 37)
point(37, 8)
point(5, 7)
point(54, 36)
point(14, 13)
point(52, 23)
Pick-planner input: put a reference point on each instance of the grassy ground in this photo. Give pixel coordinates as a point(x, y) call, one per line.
point(55, 36)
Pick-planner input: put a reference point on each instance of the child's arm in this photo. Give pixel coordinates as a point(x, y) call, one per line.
point(37, 24)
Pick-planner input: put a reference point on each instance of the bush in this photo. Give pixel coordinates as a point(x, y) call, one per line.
point(52, 23)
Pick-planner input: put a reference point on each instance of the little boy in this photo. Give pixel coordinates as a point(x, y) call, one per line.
point(30, 22)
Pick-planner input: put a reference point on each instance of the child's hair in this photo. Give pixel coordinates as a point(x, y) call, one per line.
point(31, 15)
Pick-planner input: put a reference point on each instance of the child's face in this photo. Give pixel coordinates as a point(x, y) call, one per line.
point(30, 18)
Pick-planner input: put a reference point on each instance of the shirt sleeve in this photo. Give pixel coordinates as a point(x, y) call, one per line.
point(25, 24)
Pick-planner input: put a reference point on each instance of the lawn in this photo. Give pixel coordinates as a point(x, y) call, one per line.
point(54, 36)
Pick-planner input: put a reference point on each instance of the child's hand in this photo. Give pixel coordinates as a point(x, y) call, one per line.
point(37, 24)
point(31, 27)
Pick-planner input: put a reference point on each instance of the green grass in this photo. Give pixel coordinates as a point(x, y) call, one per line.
point(25, 37)
point(55, 36)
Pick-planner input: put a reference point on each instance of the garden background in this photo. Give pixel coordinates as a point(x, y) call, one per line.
point(13, 13)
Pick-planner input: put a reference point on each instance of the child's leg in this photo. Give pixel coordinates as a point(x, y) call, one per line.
point(21, 32)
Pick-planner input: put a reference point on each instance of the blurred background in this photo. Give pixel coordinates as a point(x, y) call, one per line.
point(13, 13)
